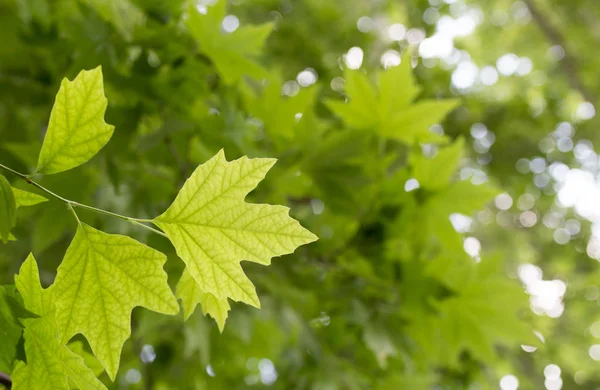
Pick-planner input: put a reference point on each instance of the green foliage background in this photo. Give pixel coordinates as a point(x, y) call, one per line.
point(388, 298)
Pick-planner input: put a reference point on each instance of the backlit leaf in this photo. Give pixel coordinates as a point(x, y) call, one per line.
point(213, 229)
point(77, 130)
point(101, 279)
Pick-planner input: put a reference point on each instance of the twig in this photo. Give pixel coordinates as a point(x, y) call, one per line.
point(5, 380)
point(568, 63)
point(71, 204)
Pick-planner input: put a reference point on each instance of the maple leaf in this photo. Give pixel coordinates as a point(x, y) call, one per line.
point(388, 106)
point(50, 364)
point(232, 53)
point(213, 229)
point(8, 209)
point(475, 318)
point(76, 131)
point(101, 279)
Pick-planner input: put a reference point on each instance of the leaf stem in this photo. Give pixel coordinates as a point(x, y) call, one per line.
point(71, 204)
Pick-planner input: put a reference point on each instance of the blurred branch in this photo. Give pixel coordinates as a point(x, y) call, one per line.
point(568, 63)
point(5, 380)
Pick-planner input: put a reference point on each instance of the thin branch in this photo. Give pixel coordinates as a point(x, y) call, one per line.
point(71, 204)
point(5, 380)
point(568, 63)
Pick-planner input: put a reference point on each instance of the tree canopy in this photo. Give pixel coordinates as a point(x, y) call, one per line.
point(305, 194)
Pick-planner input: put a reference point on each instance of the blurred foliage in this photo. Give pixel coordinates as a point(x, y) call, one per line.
point(430, 233)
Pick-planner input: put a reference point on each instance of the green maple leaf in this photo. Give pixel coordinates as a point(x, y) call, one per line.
point(213, 229)
point(26, 198)
point(481, 314)
point(191, 295)
point(388, 107)
point(101, 279)
point(77, 130)
point(435, 173)
point(50, 364)
point(233, 54)
point(8, 209)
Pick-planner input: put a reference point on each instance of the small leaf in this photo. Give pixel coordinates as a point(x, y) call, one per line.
point(213, 229)
point(388, 106)
point(232, 53)
point(25, 198)
point(191, 295)
point(77, 130)
point(8, 208)
point(101, 279)
point(50, 365)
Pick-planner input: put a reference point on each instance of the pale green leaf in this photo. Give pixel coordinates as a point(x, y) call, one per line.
point(77, 130)
point(50, 364)
point(101, 279)
point(191, 295)
point(8, 208)
point(435, 173)
point(234, 54)
point(26, 198)
point(387, 107)
point(213, 229)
